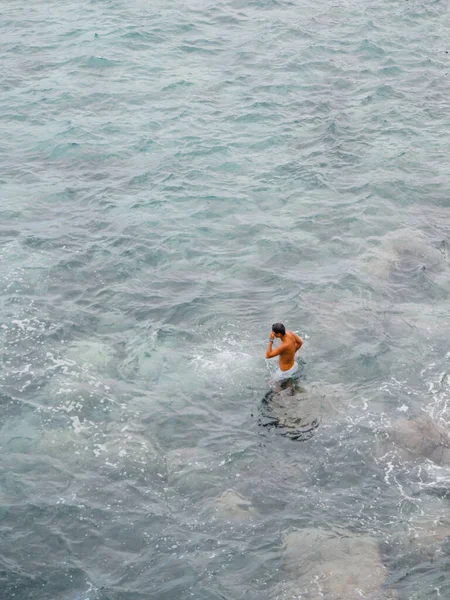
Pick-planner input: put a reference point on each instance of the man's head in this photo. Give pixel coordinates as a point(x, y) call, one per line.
point(278, 329)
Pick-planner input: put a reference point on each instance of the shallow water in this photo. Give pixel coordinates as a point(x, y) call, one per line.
point(175, 177)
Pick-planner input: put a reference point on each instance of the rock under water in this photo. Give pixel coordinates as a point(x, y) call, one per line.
point(232, 505)
point(298, 411)
point(417, 438)
point(405, 251)
point(333, 565)
point(90, 354)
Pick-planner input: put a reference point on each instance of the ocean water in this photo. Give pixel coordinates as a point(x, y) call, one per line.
point(175, 177)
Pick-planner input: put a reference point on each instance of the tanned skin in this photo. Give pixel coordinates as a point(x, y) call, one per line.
point(290, 343)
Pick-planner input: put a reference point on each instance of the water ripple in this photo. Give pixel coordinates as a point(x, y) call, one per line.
point(176, 177)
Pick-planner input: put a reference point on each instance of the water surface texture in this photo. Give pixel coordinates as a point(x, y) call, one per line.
point(175, 177)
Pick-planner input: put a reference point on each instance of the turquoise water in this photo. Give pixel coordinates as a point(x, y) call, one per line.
point(175, 177)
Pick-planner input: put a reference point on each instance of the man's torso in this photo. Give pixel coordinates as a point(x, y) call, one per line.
point(286, 359)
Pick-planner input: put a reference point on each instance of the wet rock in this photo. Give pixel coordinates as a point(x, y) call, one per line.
point(420, 437)
point(333, 566)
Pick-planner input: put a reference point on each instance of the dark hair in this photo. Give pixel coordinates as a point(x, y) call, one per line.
point(278, 328)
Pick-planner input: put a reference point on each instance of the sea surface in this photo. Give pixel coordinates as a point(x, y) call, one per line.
point(174, 178)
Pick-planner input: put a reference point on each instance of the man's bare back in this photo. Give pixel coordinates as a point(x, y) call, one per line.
point(290, 343)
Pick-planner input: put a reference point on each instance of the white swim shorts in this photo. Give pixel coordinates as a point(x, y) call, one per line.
point(280, 375)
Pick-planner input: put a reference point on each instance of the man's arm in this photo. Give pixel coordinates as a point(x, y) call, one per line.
point(298, 342)
point(271, 352)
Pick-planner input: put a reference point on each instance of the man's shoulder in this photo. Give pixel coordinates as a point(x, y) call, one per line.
point(289, 339)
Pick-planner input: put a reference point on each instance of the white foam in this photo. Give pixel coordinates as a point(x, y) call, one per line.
point(76, 424)
point(224, 364)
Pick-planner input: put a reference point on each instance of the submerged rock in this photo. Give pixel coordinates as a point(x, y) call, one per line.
point(90, 354)
point(59, 442)
point(232, 505)
point(404, 251)
point(187, 459)
point(419, 540)
point(189, 471)
point(126, 447)
point(298, 411)
point(333, 566)
point(420, 437)
point(425, 532)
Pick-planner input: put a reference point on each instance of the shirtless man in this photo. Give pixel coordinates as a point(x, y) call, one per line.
point(290, 343)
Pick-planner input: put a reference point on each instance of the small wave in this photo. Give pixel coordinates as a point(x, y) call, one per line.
point(99, 62)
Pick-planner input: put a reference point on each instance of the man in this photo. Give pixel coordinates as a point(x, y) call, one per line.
point(290, 343)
